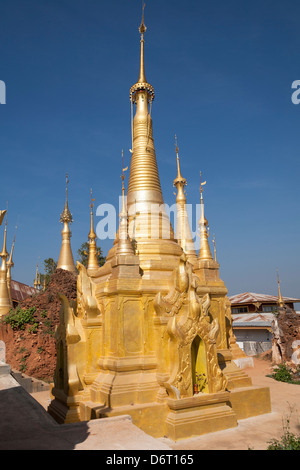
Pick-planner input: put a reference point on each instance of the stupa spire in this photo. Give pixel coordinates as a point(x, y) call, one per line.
point(4, 252)
point(280, 299)
point(183, 231)
point(179, 180)
point(92, 257)
point(66, 260)
point(204, 252)
point(36, 279)
point(10, 264)
point(5, 302)
point(124, 246)
point(144, 190)
point(142, 83)
point(215, 250)
point(142, 29)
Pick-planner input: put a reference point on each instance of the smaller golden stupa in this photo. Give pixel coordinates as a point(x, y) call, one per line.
point(5, 298)
point(183, 232)
point(280, 298)
point(37, 279)
point(92, 264)
point(10, 265)
point(66, 260)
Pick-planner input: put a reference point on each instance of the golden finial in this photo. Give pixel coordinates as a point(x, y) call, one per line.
point(92, 200)
point(201, 186)
point(142, 27)
point(92, 235)
point(176, 146)
point(123, 172)
point(179, 178)
point(66, 215)
point(67, 182)
point(142, 83)
point(4, 253)
point(202, 183)
point(280, 299)
point(204, 252)
point(215, 251)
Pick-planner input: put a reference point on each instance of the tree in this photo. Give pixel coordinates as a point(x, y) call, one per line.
point(49, 268)
point(83, 254)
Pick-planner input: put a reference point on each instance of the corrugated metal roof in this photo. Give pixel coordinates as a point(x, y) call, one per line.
point(252, 319)
point(251, 297)
point(20, 291)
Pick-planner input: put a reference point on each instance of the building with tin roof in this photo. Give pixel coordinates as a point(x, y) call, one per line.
point(20, 292)
point(252, 317)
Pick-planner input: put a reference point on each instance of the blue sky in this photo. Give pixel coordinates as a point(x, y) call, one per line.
point(222, 74)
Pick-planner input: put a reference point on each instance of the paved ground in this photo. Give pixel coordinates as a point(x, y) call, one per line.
point(26, 425)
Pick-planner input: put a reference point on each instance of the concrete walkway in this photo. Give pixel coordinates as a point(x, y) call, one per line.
point(26, 425)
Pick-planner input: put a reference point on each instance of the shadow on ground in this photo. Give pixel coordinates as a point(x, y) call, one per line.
point(25, 425)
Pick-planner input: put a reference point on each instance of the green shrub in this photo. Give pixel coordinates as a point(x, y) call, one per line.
point(34, 327)
point(23, 367)
point(18, 319)
point(284, 374)
point(288, 440)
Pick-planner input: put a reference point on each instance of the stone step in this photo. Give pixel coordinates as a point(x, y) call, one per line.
point(4, 369)
point(30, 384)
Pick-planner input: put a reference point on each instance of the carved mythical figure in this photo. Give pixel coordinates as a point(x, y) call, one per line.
point(69, 339)
point(86, 302)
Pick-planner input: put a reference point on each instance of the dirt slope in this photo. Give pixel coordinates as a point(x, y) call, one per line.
point(32, 350)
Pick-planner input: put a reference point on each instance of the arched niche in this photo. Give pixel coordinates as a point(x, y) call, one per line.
point(199, 366)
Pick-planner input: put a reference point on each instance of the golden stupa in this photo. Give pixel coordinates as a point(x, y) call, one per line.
point(10, 265)
point(5, 296)
point(65, 260)
point(150, 334)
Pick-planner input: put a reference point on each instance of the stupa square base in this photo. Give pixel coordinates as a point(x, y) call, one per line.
point(150, 417)
point(179, 419)
point(194, 416)
point(200, 414)
point(250, 401)
point(64, 411)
